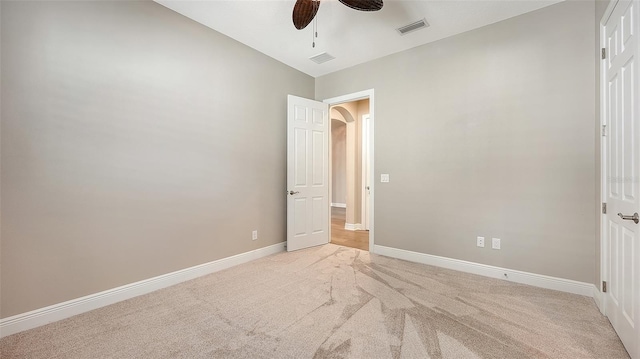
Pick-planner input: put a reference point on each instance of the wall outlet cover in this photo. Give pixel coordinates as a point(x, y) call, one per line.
point(495, 243)
point(480, 241)
point(254, 235)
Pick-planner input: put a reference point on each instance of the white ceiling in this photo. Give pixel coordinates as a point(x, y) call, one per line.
point(353, 37)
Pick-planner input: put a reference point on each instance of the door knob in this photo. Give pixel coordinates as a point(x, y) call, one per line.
point(292, 192)
point(635, 218)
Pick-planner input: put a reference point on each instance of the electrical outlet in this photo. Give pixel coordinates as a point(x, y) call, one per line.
point(254, 235)
point(495, 243)
point(480, 241)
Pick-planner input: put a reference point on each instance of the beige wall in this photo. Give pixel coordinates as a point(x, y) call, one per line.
point(338, 161)
point(124, 145)
point(135, 142)
point(351, 113)
point(489, 133)
point(346, 113)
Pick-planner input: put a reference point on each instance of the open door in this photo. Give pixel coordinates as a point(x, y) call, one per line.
point(621, 84)
point(307, 173)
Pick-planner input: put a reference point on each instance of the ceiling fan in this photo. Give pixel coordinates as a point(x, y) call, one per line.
point(305, 10)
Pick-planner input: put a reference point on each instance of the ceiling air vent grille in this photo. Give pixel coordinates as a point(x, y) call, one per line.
point(421, 24)
point(321, 58)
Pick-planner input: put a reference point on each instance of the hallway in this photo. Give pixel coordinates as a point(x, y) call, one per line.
point(343, 237)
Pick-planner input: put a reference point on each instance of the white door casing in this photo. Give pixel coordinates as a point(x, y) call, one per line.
point(361, 95)
point(366, 172)
point(621, 247)
point(307, 173)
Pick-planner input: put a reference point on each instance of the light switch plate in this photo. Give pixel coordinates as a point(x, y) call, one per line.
point(384, 177)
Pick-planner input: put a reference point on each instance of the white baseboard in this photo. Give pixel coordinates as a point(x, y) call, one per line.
point(536, 280)
point(339, 205)
point(353, 226)
point(52, 313)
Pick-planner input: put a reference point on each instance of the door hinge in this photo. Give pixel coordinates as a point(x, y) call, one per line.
point(604, 207)
point(604, 53)
point(604, 287)
point(604, 130)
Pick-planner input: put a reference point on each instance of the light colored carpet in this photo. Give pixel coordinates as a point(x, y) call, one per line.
point(332, 302)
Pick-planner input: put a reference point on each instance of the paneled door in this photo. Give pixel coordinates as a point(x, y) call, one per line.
point(307, 173)
point(621, 95)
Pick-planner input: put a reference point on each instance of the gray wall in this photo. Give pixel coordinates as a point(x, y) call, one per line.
point(338, 162)
point(135, 142)
point(489, 133)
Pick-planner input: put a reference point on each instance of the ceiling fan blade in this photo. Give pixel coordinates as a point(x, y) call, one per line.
point(364, 5)
point(303, 12)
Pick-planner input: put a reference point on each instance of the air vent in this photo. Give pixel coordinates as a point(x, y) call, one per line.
point(414, 26)
point(321, 58)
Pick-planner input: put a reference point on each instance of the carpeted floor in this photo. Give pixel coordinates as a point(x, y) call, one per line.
point(332, 302)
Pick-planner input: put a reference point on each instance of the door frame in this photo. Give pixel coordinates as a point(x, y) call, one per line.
point(356, 96)
point(366, 163)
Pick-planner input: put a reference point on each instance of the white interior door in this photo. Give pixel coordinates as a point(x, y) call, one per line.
point(307, 173)
point(622, 169)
